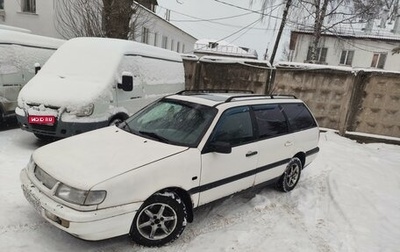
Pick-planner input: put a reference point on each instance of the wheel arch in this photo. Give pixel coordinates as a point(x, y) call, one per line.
point(302, 157)
point(119, 115)
point(183, 195)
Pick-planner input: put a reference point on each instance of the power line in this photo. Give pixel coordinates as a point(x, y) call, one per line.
point(210, 20)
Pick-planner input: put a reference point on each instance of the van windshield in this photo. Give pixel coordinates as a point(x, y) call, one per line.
point(172, 121)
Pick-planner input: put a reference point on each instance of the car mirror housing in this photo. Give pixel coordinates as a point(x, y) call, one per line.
point(221, 147)
point(127, 82)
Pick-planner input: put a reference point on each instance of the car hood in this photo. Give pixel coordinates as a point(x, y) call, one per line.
point(60, 91)
point(85, 160)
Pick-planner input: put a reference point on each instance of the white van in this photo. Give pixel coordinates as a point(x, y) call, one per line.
point(20, 54)
point(91, 83)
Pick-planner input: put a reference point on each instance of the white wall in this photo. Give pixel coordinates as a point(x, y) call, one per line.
point(363, 50)
point(40, 23)
point(160, 27)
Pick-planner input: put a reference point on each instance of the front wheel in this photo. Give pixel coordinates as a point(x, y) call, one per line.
point(160, 220)
point(115, 121)
point(291, 176)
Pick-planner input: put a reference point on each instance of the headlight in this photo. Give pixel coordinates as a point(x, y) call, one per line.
point(85, 110)
point(80, 197)
point(31, 164)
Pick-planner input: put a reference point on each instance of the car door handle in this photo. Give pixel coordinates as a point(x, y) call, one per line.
point(251, 153)
point(288, 143)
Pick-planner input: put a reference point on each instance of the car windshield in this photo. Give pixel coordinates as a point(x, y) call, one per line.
point(172, 121)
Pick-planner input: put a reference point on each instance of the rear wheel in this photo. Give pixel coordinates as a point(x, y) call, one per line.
point(291, 176)
point(160, 220)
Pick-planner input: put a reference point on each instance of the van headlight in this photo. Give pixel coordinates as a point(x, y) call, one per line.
point(85, 110)
point(80, 197)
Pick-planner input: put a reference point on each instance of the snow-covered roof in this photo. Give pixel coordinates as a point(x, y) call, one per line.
point(13, 28)
point(219, 59)
point(221, 47)
point(308, 66)
point(378, 30)
point(23, 38)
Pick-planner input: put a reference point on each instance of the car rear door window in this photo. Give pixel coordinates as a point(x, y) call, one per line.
point(299, 116)
point(270, 120)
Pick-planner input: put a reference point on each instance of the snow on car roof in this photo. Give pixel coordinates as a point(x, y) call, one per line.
point(23, 38)
point(111, 46)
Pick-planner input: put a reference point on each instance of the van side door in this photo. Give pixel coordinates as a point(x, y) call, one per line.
point(225, 173)
point(133, 100)
point(275, 143)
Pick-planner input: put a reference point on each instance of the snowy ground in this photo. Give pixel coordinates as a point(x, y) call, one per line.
point(347, 200)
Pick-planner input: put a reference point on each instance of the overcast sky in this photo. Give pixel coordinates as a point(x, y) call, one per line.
point(229, 20)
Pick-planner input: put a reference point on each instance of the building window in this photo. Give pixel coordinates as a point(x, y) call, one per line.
point(172, 44)
point(155, 39)
point(145, 35)
point(320, 54)
point(28, 6)
point(1, 4)
point(183, 48)
point(164, 42)
point(178, 46)
point(378, 60)
point(347, 57)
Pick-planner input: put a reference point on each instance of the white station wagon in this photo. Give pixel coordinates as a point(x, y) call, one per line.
point(145, 177)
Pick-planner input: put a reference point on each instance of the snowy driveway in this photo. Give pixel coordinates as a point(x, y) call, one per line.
point(347, 200)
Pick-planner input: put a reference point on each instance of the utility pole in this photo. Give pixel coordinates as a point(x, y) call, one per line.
point(279, 35)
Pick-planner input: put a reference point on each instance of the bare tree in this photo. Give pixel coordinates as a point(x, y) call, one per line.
point(99, 18)
point(79, 18)
point(322, 16)
point(326, 15)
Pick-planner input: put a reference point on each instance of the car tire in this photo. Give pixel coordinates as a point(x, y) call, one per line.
point(160, 220)
point(291, 176)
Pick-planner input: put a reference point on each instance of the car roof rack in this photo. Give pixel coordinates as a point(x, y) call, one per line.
point(258, 96)
point(210, 91)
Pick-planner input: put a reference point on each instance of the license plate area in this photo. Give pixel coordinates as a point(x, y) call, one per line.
point(41, 119)
point(32, 200)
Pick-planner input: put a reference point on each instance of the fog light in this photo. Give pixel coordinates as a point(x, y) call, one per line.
point(56, 219)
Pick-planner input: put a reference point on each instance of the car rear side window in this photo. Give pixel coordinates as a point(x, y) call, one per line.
point(299, 116)
point(270, 120)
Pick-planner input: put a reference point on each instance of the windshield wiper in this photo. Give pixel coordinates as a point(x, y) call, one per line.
point(155, 136)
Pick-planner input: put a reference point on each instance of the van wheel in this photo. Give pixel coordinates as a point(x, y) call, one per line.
point(160, 220)
point(291, 176)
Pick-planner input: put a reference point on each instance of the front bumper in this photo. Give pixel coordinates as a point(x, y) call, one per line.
point(87, 225)
point(60, 129)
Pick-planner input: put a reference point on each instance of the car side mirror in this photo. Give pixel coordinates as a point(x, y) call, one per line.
point(37, 68)
point(220, 147)
point(127, 82)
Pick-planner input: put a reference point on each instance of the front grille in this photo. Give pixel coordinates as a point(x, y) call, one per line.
point(43, 127)
point(47, 180)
